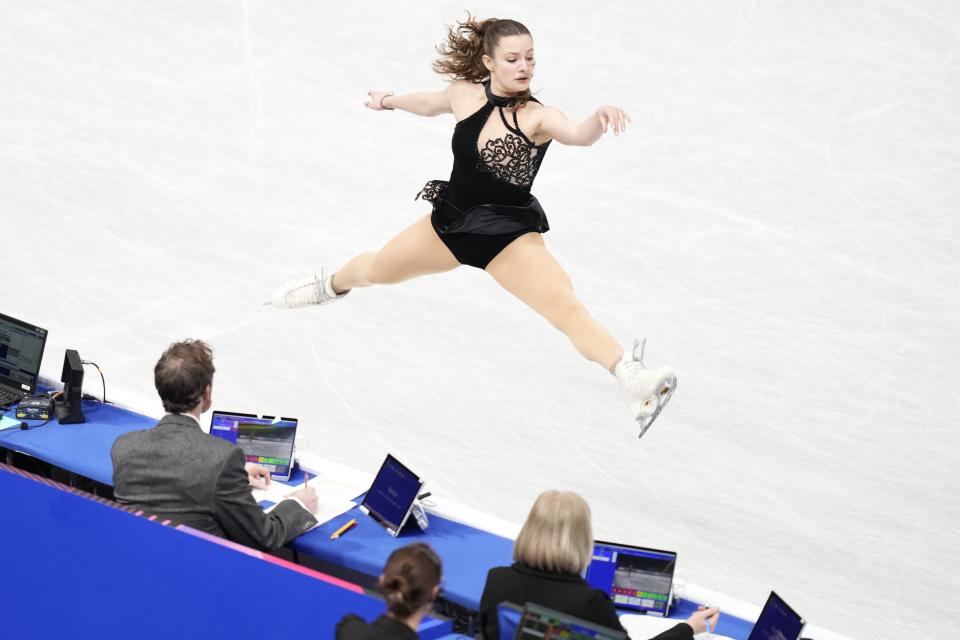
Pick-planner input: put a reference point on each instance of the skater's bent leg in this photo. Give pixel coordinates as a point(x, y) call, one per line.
point(415, 251)
point(529, 271)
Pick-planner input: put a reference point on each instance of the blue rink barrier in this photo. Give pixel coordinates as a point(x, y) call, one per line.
point(74, 566)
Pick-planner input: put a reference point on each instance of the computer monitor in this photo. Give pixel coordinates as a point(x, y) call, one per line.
point(635, 578)
point(541, 623)
point(777, 621)
point(21, 350)
point(265, 440)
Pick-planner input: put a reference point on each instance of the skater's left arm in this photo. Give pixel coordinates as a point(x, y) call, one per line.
point(556, 125)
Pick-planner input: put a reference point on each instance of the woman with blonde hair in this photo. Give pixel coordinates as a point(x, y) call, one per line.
point(484, 215)
point(550, 557)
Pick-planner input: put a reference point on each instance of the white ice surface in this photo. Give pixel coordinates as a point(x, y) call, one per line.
point(781, 220)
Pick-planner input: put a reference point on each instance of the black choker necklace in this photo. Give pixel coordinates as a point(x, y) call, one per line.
point(495, 100)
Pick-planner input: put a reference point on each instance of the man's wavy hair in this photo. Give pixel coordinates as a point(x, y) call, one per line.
point(182, 374)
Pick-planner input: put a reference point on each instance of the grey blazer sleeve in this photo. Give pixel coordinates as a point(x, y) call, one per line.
point(241, 517)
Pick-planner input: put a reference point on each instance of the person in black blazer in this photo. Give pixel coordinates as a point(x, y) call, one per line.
point(176, 471)
point(410, 582)
point(550, 555)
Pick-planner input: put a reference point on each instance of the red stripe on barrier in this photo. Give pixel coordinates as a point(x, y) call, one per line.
point(343, 584)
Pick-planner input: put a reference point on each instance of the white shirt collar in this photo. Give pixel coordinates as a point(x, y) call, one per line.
point(188, 415)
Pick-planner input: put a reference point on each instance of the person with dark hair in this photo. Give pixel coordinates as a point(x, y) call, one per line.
point(484, 216)
point(410, 583)
point(177, 472)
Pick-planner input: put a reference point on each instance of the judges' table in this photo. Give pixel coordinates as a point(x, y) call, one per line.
point(468, 553)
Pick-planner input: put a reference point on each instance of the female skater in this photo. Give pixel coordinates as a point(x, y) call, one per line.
point(485, 216)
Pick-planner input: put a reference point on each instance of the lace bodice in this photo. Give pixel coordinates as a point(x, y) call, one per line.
point(510, 157)
point(494, 162)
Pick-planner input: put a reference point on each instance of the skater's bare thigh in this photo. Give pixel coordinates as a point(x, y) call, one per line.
point(415, 251)
point(529, 271)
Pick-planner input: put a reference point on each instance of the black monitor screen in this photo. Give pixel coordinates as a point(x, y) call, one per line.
point(392, 494)
point(635, 578)
point(541, 623)
point(21, 350)
point(777, 621)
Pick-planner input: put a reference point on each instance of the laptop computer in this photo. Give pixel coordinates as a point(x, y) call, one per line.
point(777, 621)
point(541, 623)
point(637, 579)
point(21, 350)
point(265, 440)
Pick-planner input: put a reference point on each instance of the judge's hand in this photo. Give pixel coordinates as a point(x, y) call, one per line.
point(259, 476)
point(308, 496)
point(698, 620)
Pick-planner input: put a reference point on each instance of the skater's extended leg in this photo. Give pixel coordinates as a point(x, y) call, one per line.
point(529, 271)
point(415, 251)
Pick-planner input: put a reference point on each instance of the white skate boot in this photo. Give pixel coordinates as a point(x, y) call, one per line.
point(646, 391)
point(312, 289)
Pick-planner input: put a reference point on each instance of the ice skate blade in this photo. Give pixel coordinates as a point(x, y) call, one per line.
point(663, 397)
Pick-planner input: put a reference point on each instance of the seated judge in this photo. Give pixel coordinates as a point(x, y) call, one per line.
point(176, 471)
point(550, 556)
point(410, 582)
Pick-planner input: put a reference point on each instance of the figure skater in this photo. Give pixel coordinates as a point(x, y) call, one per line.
point(485, 216)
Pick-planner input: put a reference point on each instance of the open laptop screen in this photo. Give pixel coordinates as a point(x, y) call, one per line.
point(635, 578)
point(266, 440)
point(21, 350)
point(777, 621)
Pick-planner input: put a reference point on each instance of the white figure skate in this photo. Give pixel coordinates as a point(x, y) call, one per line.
point(646, 391)
point(313, 289)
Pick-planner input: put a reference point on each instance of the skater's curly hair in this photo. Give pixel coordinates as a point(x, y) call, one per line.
point(461, 55)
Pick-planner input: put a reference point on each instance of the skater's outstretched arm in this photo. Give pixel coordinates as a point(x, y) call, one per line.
point(424, 103)
point(553, 123)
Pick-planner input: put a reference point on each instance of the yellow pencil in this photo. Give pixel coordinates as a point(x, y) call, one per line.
point(342, 530)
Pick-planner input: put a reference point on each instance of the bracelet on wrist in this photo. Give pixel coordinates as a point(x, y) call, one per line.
point(383, 106)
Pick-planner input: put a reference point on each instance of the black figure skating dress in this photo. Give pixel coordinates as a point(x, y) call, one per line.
point(487, 204)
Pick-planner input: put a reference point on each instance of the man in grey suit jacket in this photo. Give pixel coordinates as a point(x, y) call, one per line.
point(174, 470)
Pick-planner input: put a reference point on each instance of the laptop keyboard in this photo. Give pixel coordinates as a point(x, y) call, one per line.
point(9, 396)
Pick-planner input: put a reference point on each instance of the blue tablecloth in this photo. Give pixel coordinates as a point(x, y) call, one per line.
point(728, 625)
point(81, 448)
point(467, 553)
